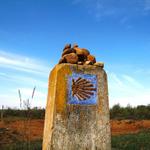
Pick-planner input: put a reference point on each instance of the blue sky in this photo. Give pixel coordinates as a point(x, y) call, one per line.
point(34, 32)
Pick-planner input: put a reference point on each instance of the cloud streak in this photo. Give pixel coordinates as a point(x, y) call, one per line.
point(22, 63)
point(21, 72)
point(116, 9)
point(12, 99)
point(125, 89)
point(17, 79)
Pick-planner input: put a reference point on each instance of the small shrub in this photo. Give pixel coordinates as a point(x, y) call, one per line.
point(139, 141)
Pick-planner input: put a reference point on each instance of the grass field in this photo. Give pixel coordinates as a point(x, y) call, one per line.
point(12, 137)
point(138, 141)
point(33, 145)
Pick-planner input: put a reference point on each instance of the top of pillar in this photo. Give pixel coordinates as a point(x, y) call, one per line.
point(80, 56)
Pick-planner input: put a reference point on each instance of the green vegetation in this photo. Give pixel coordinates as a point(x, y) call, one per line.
point(33, 145)
point(34, 113)
point(139, 141)
point(140, 112)
point(116, 112)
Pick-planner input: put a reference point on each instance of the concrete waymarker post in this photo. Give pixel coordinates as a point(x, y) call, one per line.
point(77, 112)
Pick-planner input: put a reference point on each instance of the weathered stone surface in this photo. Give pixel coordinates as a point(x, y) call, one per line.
point(85, 52)
point(71, 58)
point(79, 51)
point(68, 51)
point(88, 63)
point(99, 64)
point(82, 53)
point(72, 126)
point(91, 58)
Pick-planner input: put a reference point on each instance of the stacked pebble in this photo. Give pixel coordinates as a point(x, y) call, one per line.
point(76, 55)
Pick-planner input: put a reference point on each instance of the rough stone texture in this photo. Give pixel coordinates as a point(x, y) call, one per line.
point(68, 51)
point(85, 51)
point(82, 54)
point(99, 64)
point(71, 58)
point(91, 58)
point(88, 63)
point(79, 51)
point(76, 127)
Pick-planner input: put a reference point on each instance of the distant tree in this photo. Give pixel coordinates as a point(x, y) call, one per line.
point(129, 112)
point(116, 111)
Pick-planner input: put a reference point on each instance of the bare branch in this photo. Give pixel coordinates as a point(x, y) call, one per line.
point(33, 92)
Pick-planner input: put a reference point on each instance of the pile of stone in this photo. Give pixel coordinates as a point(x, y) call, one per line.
point(76, 55)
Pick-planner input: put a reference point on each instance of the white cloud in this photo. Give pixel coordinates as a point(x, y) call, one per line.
point(125, 89)
point(22, 63)
point(21, 72)
point(11, 98)
point(117, 9)
point(115, 79)
point(132, 81)
point(39, 98)
point(9, 101)
point(138, 98)
point(30, 81)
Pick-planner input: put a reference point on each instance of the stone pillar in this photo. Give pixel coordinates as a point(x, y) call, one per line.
point(77, 112)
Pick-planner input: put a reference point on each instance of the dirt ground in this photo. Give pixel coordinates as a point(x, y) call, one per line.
point(19, 130)
point(12, 131)
point(128, 126)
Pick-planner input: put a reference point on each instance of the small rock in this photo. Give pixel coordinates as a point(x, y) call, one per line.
point(88, 63)
point(91, 58)
point(67, 46)
point(85, 52)
point(80, 63)
point(79, 51)
point(99, 64)
point(75, 45)
point(71, 58)
point(68, 51)
point(80, 54)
